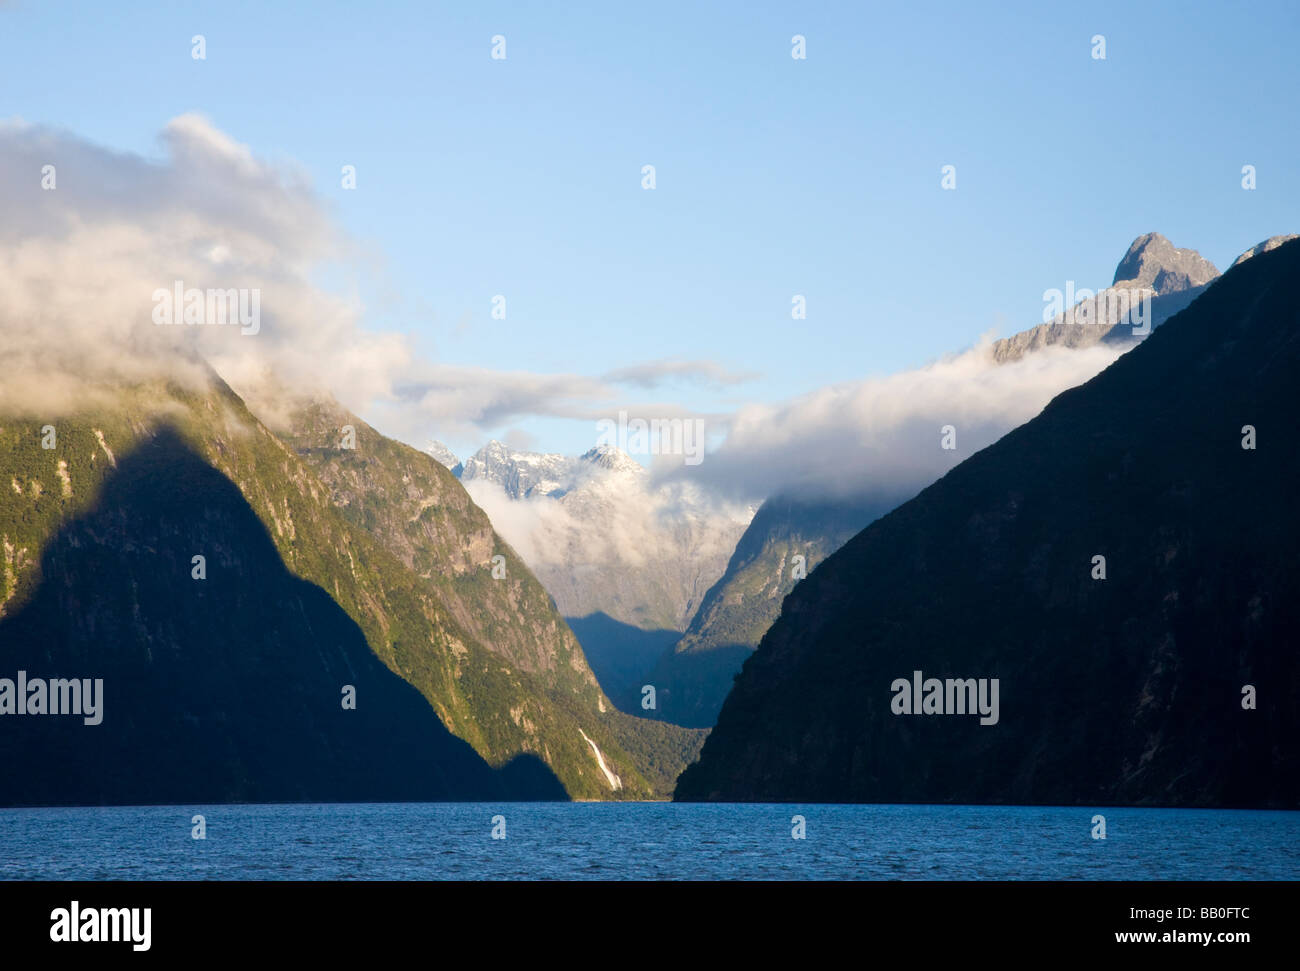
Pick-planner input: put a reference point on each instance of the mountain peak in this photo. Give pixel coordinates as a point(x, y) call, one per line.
point(521, 474)
point(1152, 262)
point(442, 453)
point(611, 457)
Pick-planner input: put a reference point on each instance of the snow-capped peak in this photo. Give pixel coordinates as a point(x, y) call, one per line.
point(442, 453)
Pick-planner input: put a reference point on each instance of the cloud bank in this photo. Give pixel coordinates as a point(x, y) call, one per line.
point(89, 235)
point(616, 541)
point(883, 436)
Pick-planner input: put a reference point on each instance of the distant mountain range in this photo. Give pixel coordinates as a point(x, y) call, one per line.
point(1163, 674)
point(627, 559)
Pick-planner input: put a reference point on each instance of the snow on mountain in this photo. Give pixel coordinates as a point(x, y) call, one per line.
point(604, 535)
point(442, 453)
point(521, 475)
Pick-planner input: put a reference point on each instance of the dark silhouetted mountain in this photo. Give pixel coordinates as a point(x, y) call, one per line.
point(1127, 690)
point(1270, 244)
point(692, 679)
point(695, 677)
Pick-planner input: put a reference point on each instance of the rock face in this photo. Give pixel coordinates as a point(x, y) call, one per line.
point(1152, 262)
point(418, 511)
point(1153, 268)
point(1172, 681)
point(521, 475)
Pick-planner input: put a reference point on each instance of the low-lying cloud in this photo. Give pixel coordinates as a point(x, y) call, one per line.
point(883, 435)
point(617, 542)
point(90, 235)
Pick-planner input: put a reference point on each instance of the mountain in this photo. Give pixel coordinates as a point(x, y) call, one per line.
point(603, 536)
point(627, 559)
point(694, 677)
point(1172, 681)
point(1152, 262)
point(418, 511)
point(218, 689)
point(1152, 268)
point(521, 475)
point(443, 454)
point(228, 687)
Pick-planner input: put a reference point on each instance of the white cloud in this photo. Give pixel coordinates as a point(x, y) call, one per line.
point(882, 435)
point(616, 541)
point(655, 373)
point(79, 265)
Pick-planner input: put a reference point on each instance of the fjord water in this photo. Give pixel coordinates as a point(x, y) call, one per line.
point(621, 841)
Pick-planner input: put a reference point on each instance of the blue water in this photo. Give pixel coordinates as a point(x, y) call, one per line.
point(616, 841)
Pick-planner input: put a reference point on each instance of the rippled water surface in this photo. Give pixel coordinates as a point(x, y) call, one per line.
point(615, 841)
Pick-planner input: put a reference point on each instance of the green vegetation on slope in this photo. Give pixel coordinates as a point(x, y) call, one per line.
point(498, 666)
point(419, 512)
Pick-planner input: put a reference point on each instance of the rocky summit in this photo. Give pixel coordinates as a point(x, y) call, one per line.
point(1155, 263)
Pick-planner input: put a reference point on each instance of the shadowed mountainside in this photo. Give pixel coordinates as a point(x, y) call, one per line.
point(227, 688)
point(1122, 691)
point(622, 655)
point(693, 678)
point(417, 511)
point(510, 711)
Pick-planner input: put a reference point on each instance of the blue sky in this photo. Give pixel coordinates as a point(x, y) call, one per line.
point(775, 177)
